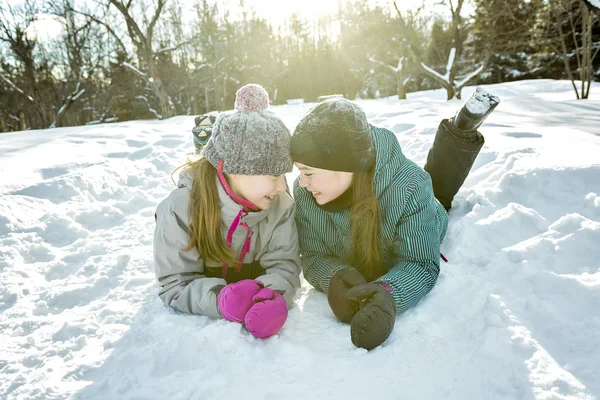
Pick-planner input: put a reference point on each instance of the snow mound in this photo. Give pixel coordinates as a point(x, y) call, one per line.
point(514, 314)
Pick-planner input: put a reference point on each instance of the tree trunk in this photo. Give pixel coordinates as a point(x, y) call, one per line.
point(563, 46)
point(584, 53)
point(587, 21)
point(450, 88)
point(224, 94)
point(450, 91)
point(156, 84)
point(401, 87)
point(22, 121)
point(36, 105)
point(206, 100)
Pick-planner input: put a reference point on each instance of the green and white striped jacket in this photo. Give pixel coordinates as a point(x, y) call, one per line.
point(414, 222)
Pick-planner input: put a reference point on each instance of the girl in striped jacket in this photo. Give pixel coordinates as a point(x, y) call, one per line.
point(370, 221)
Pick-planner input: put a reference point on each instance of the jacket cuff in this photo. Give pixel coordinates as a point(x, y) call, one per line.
point(332, 272)
point(217, 289)
point(394, 290)
point(384, 285)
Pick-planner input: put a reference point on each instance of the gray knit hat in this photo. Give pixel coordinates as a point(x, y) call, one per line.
point(334, 135)
point(250, 139)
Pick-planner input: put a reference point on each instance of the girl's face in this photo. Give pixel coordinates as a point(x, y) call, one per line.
point(325, 185)
point(260, 190)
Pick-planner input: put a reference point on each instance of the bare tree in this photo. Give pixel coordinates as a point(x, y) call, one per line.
point(78, 63)
point(573, 21)
point(453, 87)
point(214, 61)
point(140, 21)
point(14, 22)
point(143, 42)
point(404, 70)
point(68, 102)
point(102, 20)
point(448, 80)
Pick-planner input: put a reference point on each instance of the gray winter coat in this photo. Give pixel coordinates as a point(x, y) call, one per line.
point(273, 257)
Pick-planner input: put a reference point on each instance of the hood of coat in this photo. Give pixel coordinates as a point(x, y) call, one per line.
point(389, 159)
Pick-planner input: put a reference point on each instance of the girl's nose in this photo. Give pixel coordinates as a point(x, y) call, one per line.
point(303, 181)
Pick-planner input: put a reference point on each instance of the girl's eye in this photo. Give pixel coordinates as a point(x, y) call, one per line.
point(308, 174)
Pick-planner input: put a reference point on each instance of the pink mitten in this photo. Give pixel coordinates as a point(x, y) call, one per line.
point(266, 317)
point(235, 299)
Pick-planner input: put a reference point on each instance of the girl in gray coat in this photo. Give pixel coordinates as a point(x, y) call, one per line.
point(225, 243)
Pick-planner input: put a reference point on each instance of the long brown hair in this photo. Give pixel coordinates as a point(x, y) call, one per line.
point(365, 222)
point(205, 214)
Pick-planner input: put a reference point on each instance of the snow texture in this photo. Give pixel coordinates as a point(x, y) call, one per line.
point(78, 95)
point(481, 102)
point(171, 48)
point(595, 3)
point(132, 68)
point(450, 64)
point(514, 314)
point(394, 70)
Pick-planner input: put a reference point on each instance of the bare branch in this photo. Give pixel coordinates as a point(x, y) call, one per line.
point(564, 51)
point(171, 48)
point(108, 28)
point(595, 53)
point(150, 29)
point(131, 24)
point(400, 17)
point(135, 70)
point(465, 80)
point(244, 67)
point(443, 80)
point(384, 65)
point(9, 82)
point(573, 31)
point(66, 105)
point(452, 9)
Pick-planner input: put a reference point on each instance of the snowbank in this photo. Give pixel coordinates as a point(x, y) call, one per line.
point(513, 315)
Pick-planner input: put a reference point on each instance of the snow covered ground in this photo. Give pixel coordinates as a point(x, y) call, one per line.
point(514, 315)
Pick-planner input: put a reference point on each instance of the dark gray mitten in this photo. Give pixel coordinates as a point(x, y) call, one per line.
point(344, 280)
point(375, 319)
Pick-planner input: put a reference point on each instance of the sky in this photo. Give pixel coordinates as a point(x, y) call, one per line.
point(275, 10)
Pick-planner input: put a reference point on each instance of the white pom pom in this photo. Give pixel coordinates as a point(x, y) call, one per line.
point(251, 97)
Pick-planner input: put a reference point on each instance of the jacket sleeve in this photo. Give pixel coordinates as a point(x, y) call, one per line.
point(281, 259)
point(179, 272)
point(418, 249)
point(318, 264)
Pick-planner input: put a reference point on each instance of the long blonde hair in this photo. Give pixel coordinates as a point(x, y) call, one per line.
point(204, 213)
point(366, 225)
